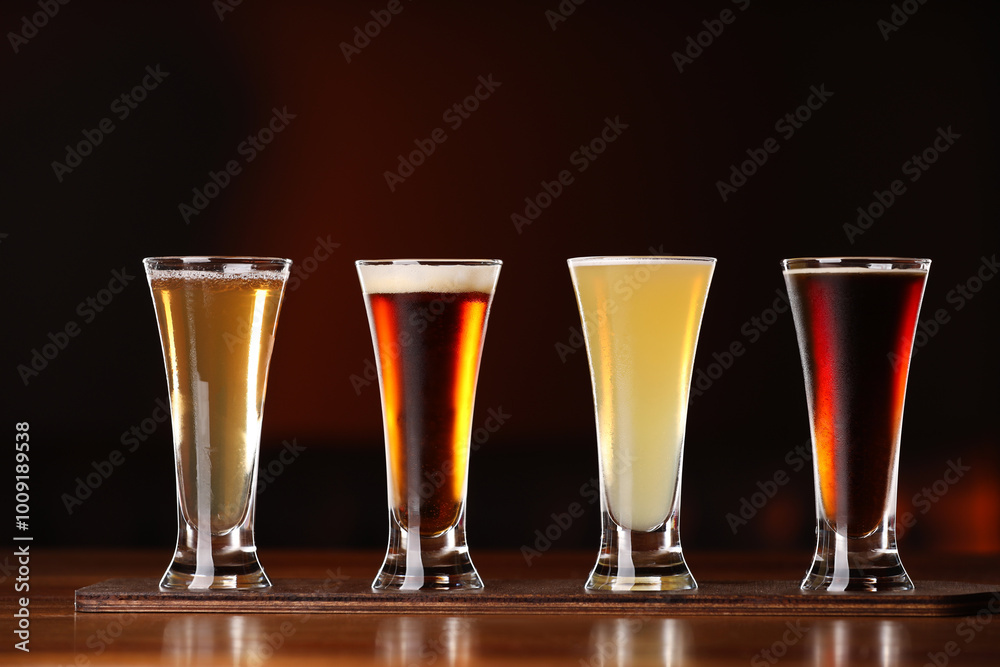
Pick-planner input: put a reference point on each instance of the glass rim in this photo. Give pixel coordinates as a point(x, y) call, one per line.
point(219, 264)
point(185, 260)
point(428, 262)
point(874, 263)
point(600, 260)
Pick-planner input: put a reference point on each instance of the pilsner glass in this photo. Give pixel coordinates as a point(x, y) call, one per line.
point(217, 317)
point(641, 317)
point(855, 318)
point(428, 320)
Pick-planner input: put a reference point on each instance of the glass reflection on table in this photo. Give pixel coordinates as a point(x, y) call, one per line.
point(845, 642)
point(618, 642)
point(403, 641)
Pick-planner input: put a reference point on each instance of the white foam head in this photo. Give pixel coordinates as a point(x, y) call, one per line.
point(613, 260)
point(242, 274)
point(428, 276)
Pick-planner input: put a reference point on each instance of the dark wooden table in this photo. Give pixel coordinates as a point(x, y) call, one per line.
point(62, 636)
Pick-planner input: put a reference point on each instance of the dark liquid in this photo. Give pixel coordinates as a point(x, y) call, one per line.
point(429, 349)
point(855, 332)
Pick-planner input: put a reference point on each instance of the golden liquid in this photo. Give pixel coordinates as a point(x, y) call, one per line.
point(217, 333)
point(641, 324)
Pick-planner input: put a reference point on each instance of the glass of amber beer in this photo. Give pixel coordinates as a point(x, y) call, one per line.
point(217, 317)
point(428, 321)
point(855, 318)
point(641, 317)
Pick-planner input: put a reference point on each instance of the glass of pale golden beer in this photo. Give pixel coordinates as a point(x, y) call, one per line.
point(428, 321)
point(217, 318)
point(641, 317)
point(855, 319)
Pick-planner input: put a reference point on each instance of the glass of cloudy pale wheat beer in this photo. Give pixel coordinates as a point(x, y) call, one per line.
point(641, 317)
point(428, 321)
point(217, 317)
point(855, 319)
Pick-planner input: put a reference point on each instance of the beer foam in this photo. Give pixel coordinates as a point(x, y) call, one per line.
point(638, 259)
point(240, 274)
point(400, 278)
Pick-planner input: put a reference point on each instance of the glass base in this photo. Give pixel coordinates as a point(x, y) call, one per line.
point(220, 566)
point(416, 563)
point(856, 564)
point(637, 561)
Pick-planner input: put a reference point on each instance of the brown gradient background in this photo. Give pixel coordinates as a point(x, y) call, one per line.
point(654, 186)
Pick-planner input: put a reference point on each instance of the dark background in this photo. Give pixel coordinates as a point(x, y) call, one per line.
point(655, 186)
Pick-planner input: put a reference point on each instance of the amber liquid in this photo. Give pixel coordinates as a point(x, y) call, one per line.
point(429, 346)
point(848, 323)
point(217, 333)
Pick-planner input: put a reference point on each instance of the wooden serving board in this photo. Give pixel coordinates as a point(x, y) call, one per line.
point(552, 596)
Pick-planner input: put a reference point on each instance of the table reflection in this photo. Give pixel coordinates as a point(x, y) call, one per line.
point(425, 640)
point(210, 639)
point(843, 642)
point(628, 641)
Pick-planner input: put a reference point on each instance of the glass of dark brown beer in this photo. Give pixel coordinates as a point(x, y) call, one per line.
point(428, 321)
point(855, 318)
point(217, 317)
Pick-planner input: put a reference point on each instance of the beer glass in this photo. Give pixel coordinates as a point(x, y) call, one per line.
point(217, 317)
point(428, 320)
point(641, 317)
point(855, 319)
